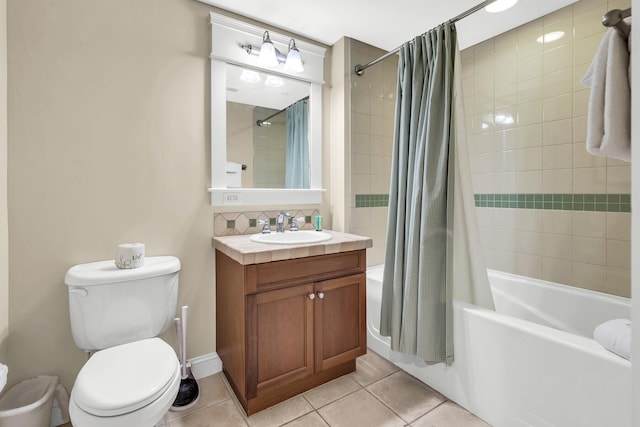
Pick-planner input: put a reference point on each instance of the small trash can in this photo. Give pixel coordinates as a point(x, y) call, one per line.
point(29, 403)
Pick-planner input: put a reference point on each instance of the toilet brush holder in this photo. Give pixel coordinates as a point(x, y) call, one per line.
point(189, 392)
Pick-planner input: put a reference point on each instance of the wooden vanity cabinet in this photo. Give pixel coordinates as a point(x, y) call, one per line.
point(284, 327)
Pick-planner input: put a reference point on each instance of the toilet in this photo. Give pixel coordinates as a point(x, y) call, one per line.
point(132, 377)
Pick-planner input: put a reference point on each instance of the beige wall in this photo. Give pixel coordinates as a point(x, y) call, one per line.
point(4, 258)
point(542, 153)
point(108, 143)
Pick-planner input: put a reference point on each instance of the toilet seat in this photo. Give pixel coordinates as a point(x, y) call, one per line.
point(125, 378)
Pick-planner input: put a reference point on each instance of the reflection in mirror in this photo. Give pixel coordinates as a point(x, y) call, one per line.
point(267, 130)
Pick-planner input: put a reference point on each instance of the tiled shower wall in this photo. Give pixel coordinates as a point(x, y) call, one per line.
point(546, 207)
point(372, 120)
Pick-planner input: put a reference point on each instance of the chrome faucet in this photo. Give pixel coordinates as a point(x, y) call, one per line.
point(280, 221)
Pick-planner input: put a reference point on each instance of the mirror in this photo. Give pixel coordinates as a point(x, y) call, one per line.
point(242, 93)
point(267, 130)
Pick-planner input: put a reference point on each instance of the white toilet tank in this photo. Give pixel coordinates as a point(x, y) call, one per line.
point(109, 306)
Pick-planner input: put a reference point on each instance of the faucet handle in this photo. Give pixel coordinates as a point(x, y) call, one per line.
point(294, 223)
point(265, 223)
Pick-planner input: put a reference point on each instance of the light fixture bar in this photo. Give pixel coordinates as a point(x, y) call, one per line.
point(269, 56)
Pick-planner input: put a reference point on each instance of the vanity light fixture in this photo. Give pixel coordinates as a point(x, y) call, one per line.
point(269, 56)
point(294, 60)
point(500, 6)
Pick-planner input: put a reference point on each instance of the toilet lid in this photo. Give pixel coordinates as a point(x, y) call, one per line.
point(125, 378)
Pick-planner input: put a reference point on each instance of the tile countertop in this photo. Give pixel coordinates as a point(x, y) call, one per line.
point(241, 249)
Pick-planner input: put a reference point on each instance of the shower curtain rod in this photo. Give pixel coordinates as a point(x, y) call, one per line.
point(359, 69)
point(260, 122)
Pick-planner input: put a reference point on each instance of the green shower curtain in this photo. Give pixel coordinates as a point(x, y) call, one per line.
point(417, 283)
point(297, 154)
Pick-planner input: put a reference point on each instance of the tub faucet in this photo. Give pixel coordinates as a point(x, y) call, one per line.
point(280, 221)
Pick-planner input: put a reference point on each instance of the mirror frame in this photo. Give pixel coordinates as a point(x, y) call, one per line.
point(227, 37)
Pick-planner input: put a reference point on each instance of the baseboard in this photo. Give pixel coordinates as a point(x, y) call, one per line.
point(201, 366)
point(205, 365)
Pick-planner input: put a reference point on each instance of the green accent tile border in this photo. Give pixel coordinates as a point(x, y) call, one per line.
point(231, 223)
point(564, 202)
point(372, 200)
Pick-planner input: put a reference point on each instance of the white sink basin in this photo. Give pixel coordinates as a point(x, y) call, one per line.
point(292, 237)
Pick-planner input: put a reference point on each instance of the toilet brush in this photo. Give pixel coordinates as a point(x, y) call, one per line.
point(189, 391)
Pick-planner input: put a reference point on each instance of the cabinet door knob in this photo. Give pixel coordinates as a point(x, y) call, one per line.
point(321, 295)
point(312, 296)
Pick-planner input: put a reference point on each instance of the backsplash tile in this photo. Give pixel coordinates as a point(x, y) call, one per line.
point(235, 223)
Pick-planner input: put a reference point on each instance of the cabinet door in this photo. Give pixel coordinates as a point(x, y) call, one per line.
point(280, 337)
point(340, 320)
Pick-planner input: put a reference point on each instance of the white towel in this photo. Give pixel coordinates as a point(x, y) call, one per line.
point(615, 336)
point(609, 112)
point(3, 375)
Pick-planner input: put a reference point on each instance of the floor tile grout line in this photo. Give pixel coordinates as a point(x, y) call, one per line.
point(394, 412)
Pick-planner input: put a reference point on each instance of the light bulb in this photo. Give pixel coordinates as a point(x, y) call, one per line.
point(267, 57)
point(273, 81)
point(294, 60)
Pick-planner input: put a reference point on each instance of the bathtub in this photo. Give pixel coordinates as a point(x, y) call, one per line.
point(532, 362)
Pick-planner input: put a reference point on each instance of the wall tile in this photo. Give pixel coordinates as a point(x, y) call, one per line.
point(529, 220)
point(529, 159)
point(619, 254)
point(618, 225)
point(529, 136)
point(581, 102)
point(557, 270)
point(557, 181)
point(589, 180)
point(564, 14)
point(557, 83)
point(530, 90)
point(529, 113)
point(618, 281)
point(559, 58)
point(503, 140)
point(585, 49)
point(558, 108)
point(588, 23)
point(529, 182)
point(557, 157)
point(503, 261)
point(590, 224)
point(557, 132)
point(619, 179)
point(529, 265)
point(590, 250)
point(529, 243)
point(557, 246)
point(504, 218)
point(589, 276)
point(557, 222)
point(583, 159)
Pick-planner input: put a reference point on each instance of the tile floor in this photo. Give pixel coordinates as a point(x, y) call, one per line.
point(377, 394)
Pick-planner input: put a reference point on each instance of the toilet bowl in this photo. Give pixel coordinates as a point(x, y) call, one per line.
point(132, 377)
point(128, 385)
